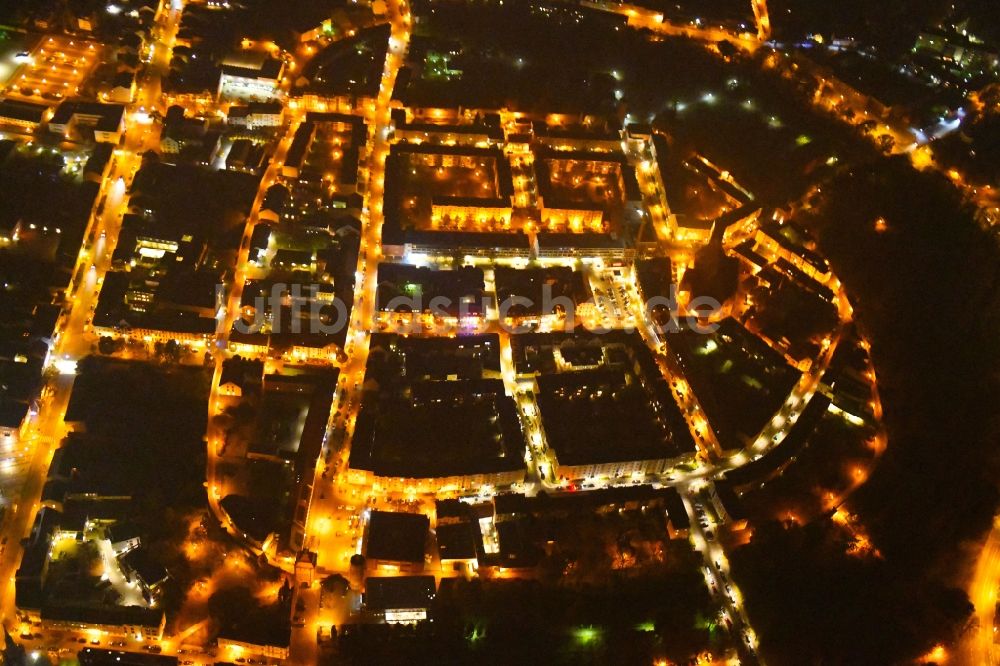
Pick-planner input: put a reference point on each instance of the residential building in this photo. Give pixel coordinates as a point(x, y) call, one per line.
point(106, 121)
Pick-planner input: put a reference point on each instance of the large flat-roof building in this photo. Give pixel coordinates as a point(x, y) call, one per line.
point(322, 136)
point(450, 189)
point(460, 434)
point(436, 414)
point(107, 121)
point(404, 289)
point(91, 656)
point(25, 115)
point(479, 134)
point(399, 599)
point(539, 294)
point(606, 409)
point(581, 190)
point(133, 621)
point(250, 75)
point(739, 379)
point(443, 198)
point(621, 437)
point(396, 541)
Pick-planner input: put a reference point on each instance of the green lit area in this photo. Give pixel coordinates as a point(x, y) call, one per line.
point(437, 67)
point(587, 636)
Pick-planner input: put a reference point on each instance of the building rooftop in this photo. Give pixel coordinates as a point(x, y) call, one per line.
point(396, 537)
point(242, 372)
point(450, 509)
point(797, 240)
point(492, 131)
point(109, 116)
point(106, 615)
point(461, 357)
point(679, 518)
point(399, 285)
point(731, 502)
point(124, 79)
point(514, 504)
point(139, 561)
point(252, 65)
point(601, 416)
point(654, 275)
point(20, 381)
point(12, 413)
point(256, 109)
point(582, 241)
point(458, 541)
point(384, 593)
point(90, 656)
point(14, 110)
point(270, 626)
point(439, 429)
point(517, 548)
point(739, 379)
point(292, 417)
point(541, 286)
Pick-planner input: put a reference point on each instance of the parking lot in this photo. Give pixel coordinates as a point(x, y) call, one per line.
point(54, 70)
